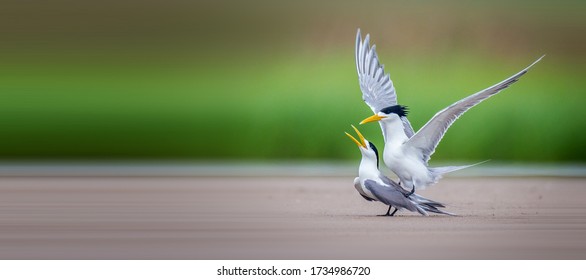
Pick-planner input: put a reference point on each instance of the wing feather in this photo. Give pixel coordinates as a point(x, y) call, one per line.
point(358, 187)
point(429, 136)
point(378, 91)
point(389, 196)
point(377, 88)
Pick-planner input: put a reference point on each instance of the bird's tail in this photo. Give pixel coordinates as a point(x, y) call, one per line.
point(424, 205)
point(433, 209)
point(422, 200)
point(421, 210)
point(437, 172)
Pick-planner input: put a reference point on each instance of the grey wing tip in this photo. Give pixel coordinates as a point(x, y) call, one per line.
point(437, 211)
point(539, 59)
point(522, 72)
point(517, 76)
point(510, 82)
point(450, 214)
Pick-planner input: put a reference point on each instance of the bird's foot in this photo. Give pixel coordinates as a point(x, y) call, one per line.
point(389, 214)
point(411, 192)
point(388, 211)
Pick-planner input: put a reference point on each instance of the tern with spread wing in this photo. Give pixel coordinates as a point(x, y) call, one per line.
point(373, 186)
point(406, 153)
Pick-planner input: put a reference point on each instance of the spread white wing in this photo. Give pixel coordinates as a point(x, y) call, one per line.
point(429, 136)
point(377, 88)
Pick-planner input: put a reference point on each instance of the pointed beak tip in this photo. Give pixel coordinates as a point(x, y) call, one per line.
point(373, 118)
point(362, 142)
point(352, 138)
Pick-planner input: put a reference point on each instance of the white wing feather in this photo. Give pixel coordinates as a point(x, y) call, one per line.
point(377, 88)
point(429, 136)
point(378, 91)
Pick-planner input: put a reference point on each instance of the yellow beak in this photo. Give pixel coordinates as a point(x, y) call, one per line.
point(362, 142)
point(373, 118)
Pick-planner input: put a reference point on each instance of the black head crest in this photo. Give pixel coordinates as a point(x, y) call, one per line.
point(396, 109)
point(373, 147)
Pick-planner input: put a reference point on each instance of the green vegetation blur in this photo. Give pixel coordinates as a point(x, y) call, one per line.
point(276, 80)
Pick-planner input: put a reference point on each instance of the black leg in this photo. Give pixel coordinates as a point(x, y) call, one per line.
point(389, 211)
point(412, 191)
point(393, 214)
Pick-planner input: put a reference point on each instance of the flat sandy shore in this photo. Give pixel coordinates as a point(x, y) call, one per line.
point(285, 218)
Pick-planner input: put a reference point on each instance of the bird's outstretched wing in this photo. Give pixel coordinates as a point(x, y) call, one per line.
point(377, 88)
point(429, 136)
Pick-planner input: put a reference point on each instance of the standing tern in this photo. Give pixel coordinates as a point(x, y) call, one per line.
point(406, 153)
point(373, 186)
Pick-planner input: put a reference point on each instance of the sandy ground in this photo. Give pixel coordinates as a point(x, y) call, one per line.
point(285, 218)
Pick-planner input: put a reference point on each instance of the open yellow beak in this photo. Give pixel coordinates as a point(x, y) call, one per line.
point(373, 118)
point(362, 142)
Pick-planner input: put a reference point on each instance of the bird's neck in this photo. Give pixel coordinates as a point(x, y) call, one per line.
point(368, 170)
point(394, 133)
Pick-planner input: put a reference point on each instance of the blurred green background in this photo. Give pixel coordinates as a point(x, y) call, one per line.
point(275, 80)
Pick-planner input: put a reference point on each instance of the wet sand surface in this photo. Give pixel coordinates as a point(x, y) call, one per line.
point(285, 218)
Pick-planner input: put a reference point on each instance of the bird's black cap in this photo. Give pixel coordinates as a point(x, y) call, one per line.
point(397, 109)
point(373, 147)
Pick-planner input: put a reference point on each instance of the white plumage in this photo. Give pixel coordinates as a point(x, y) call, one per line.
point(407, 153)
point(373, 186)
